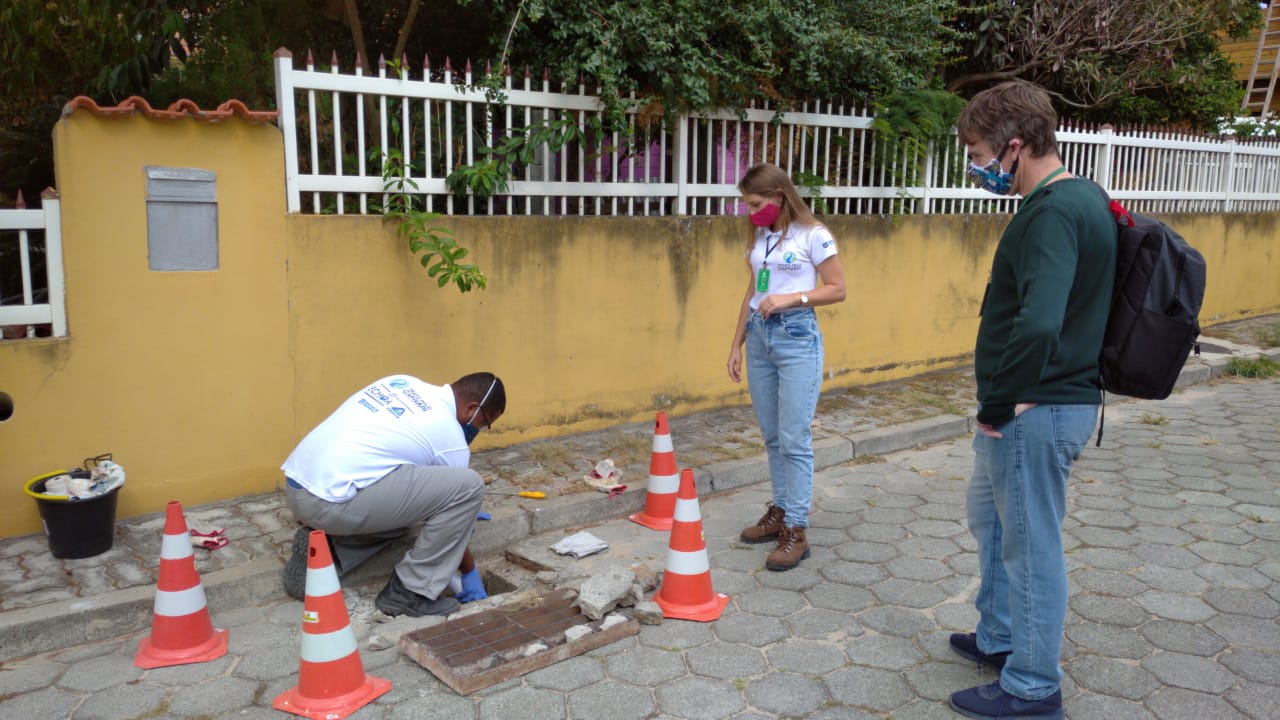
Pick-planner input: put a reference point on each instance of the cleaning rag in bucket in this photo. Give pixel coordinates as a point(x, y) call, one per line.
point(105, 477)
point(580, 545)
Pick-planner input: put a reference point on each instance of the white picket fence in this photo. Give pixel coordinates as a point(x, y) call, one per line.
point(439, 121)
point(18, 306)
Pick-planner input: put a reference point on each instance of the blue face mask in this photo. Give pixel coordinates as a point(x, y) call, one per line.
point(991, 177)
point(469, 429)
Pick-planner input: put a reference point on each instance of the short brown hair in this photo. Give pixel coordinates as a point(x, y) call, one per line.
point(1015, 109)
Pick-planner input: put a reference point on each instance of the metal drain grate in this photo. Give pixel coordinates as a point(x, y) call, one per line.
point(496, 645)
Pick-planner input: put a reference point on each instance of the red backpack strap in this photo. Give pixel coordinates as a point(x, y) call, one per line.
point(1120, 213)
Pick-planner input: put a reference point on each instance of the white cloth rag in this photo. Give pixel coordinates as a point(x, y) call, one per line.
point(580, 545)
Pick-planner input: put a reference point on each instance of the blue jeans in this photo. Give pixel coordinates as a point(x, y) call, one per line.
point(784, 375)
point(1017, 500)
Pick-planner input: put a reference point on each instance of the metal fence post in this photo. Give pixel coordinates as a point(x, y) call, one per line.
point(1102, 173)
point(288, 127)
point(51, 203)
point(680, 163)
point(1231, 173)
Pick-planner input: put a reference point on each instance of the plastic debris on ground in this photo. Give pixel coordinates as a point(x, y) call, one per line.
point(605, 477)
point(580, 545)
point(209, 538)
point(105, 477)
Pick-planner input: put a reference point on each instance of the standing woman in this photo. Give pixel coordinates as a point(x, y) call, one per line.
point(790, 250)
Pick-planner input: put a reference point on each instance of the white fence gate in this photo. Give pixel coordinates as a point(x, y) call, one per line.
point(20, 312)
point(342, 130)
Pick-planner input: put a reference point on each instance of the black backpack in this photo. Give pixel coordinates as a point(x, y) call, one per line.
point(1153, 324)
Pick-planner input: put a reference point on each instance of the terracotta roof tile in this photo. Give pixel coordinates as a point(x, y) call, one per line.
point(180, 109)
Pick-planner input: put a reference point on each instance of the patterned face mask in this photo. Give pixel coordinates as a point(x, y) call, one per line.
point(991, 177)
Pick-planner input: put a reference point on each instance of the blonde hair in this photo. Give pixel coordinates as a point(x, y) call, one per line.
point(766, 179)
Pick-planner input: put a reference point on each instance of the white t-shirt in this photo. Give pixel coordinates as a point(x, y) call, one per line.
point(793, 262)
point(398, 420)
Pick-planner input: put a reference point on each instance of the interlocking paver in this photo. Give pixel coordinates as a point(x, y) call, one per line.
point(783, 693)
point(1174, 570)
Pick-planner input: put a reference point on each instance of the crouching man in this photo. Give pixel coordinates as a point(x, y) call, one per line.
point(393, 455)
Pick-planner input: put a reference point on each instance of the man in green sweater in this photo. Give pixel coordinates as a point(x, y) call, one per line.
point(1036, 362)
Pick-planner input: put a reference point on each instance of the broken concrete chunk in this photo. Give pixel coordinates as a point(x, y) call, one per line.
point(612, 619)
point(577, 632)
point(648, 613)
point(379, 642)
point(602, 591)
point(534, 649)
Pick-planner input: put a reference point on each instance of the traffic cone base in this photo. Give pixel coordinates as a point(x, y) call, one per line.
point(706, 612)
point(181, 629)
point(686, 592)
point(332, 683)
point(664, 481)
point(149, 656)
point(332, 708)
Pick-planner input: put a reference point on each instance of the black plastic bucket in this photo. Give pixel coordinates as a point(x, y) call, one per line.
point(75, 528)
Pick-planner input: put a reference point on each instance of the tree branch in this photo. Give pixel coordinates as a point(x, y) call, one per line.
point(357, 33)
point(402, 40)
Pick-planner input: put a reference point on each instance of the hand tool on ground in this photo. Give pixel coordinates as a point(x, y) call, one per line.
point(522, 493)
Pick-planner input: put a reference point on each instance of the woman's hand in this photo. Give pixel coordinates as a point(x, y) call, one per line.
point(735, 364)
point(773, 303)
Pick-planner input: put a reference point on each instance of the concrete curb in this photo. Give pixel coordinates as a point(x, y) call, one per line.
point(43, 628)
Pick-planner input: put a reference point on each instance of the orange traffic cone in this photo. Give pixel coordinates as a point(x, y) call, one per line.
point(331, 680)
point(181, 630)
point(686, 582)
point(664, 480)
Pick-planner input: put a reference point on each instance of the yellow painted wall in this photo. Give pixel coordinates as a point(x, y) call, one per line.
point(184, 376)
point(201, 383)
point(592, 322)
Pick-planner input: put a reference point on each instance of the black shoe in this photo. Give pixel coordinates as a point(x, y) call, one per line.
point(991, 702)
point(295, 571)
point(966, 646)
point(396, 599)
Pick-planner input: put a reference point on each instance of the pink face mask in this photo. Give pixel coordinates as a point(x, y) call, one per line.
point(765, 216)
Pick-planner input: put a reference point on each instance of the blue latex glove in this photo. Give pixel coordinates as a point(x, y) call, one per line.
point(483, 516)
point(472, 587)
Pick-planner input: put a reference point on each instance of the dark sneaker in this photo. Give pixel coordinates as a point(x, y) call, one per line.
point(991, 702)
point(295, 571)
point(396, 599)
point(966, 646)
point(792, 548)
point(767, 528)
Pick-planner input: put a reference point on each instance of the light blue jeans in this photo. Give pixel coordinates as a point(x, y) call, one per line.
point(784, 375)
point(1017, 500)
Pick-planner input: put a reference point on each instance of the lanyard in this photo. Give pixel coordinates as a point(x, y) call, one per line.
point(1042, 183)
point(762, 277)
point(768, 250)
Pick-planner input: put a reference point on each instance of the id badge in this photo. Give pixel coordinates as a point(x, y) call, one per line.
point(762, 280)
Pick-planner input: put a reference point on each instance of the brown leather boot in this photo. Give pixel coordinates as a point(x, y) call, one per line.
point(792, 548)
point(768, 527)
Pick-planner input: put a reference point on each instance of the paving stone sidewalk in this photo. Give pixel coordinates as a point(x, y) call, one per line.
point(1173, 539)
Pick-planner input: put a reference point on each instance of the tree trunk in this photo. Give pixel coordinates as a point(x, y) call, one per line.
point(357, 33)
point(402, 39)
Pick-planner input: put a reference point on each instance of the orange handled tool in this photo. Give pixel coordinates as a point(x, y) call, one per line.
point(523, 493)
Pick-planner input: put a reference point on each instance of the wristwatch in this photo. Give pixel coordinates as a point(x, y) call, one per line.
point(804, 299)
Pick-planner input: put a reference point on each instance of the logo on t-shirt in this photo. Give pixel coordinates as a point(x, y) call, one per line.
point(399, 383)
point(828, 243)
point(788, 257)
point(396, 410)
